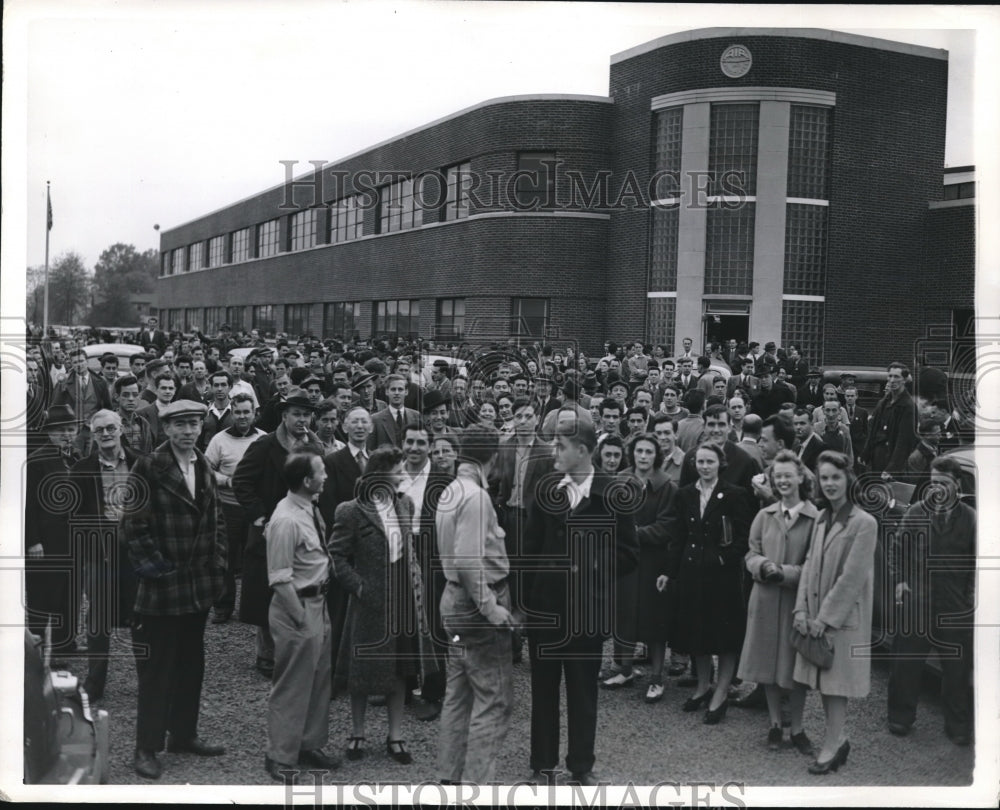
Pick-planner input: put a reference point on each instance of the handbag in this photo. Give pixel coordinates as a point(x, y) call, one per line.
point(817, 651)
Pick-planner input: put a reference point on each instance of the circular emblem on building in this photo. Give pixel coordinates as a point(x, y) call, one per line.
point(736, 61)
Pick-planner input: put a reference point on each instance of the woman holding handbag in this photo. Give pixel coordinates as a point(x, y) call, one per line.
point(709, 523)
point(779, 540)
point(834, 602)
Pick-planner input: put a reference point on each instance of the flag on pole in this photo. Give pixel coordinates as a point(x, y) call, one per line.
point(48, 200)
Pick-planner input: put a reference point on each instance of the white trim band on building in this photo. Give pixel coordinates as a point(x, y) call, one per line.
point(806, 201)
point(818, 298)
point(935, 204)
point(792, 95)
point(662, 294)
point(801, 33)
point(666, 202)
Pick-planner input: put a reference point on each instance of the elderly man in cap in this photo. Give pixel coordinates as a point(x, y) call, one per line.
point(51, 571)
point(176, 536)
point(258, 485)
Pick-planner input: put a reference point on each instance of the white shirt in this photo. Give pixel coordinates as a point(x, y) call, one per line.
point(386, 509)
point(574, 491)
point(705, 494)
point(413, 487)
point(187, 468)
point(793, 512)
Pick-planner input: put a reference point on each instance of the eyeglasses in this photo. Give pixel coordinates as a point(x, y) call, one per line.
point(106, 429)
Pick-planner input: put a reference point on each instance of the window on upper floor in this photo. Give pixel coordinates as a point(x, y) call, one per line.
point(399, 206)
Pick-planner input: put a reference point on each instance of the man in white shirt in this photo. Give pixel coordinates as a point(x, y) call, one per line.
point(240, 385)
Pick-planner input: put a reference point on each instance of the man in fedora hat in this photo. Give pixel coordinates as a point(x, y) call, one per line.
point(50, 569)
point(176, 537)
point(363, 384)
point(258, 486)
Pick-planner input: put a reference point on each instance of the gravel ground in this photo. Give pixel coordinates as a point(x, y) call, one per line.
point(636, 742)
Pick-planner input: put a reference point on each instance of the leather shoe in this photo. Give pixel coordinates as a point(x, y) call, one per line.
point(196, 746)
point(714, 716)
point(265, 667)
point(376, 700)
point(275, 768)
point(588, 779)
point(774, 738)
point(222, 616)
point(962, 738)
point(756, 699)
point(544, 778)
point(396, 750)
point(146, 764)
point(426, 709)
point(803, 744)
point(318, 758)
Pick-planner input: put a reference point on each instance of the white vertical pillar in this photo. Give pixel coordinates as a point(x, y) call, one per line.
point(692, 223)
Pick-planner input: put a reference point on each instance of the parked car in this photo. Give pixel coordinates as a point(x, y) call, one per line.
point(123, 351)
point(66, 742)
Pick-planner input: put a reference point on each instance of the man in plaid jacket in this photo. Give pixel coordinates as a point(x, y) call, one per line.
point(177, 545)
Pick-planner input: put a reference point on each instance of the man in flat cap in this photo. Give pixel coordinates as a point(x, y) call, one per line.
point(176, 537)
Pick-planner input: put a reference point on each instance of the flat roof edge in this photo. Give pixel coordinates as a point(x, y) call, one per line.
point(804, 33)
point(464, 111)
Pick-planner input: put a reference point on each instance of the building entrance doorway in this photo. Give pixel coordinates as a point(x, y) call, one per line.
point(725, 321)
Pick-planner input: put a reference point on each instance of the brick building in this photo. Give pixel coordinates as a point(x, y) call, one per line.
point(763, 184)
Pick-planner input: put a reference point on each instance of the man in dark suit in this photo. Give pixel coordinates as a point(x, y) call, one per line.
point(744, 380)
point(892, 434)
point(152, 335)
point(741, 467)
point(100, 482)
point(258, 485)
point(808, 445)
point(85, 394)
point(579, 541)
point(812, 392)
point(51, 568)
point(796, 366)
point(165, 386)
point(857, 420)
point(389, 423)
point(176, 537)
point(686, 379)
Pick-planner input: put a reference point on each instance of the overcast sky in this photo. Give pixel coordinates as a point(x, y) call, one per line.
point(148, 113)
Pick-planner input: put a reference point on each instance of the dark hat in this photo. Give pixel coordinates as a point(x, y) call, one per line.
point(848, 375)
point(590, 381)
point(543, 378)
point(60, 415)
point(814, 372)
point(296, 397)
point(183, 407)
point(620, 382)
point(769, 346)
point(432, 399)
point(360, 378)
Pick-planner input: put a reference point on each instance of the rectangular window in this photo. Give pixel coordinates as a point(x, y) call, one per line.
point(960, 191)
point(667, 160)
point(177, 261)
point(529, 317)
point(663, 259)
point(809, 152)
point(241, 245)
point(196, 256)
point(303, 230)
point(346, 219)
point(805, 249)
point(192, 319)
point(217, 251)
point(342, 319)
point(732, 149)
point(536, 188)
point(398, 207)
point(214, 318)
point(457, 198)
point(450, 323)
point(175, 320)
point(267, 238)
point(661, 315)
point(296, 318)
point(262, 318)
point(396, 317)
point(235, 318)
point(729, 242)
point(802, 324)
point(165, 263)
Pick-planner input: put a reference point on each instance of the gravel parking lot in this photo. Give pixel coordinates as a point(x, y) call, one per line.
point(636, 742)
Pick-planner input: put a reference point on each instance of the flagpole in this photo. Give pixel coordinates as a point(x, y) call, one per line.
point(48, 227)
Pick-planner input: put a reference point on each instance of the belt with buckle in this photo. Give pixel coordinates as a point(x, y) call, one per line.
point(313, 590)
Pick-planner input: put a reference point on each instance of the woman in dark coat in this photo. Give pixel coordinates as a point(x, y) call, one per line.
point(709, 526)
point(638, 596)
point(385, 648)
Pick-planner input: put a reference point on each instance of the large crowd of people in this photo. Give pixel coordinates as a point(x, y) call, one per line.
point(396, 531)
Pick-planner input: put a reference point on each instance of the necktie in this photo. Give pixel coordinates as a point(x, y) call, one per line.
point(399, 427)
point(788, 517)
point(850, 413)
point(362, 461)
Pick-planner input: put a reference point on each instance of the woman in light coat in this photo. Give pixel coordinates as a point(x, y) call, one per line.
point(835, 597)
point(779, 540)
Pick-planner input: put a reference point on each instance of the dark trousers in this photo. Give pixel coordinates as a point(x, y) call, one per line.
point(910, 653)
point(101, 605)
point(170, 661)
point(581, 665)
point(53, 587)
point(236, 535)
point(513, 526)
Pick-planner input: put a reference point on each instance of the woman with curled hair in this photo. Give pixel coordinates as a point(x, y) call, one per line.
point(609, 454)
point(708, 529)
point(779, 540)
point(486, 413)
point(835, 599)
point(644, 608)
point(385, 648)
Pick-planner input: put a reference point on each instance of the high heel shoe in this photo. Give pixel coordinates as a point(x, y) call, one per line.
point(395, 749)
point(833, 763)
point(692, 704)
point(713, 716)
point(354, 750)
point(843, 751)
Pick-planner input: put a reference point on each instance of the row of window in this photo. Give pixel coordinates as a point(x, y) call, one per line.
point(400, 207)
point(528, 317)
